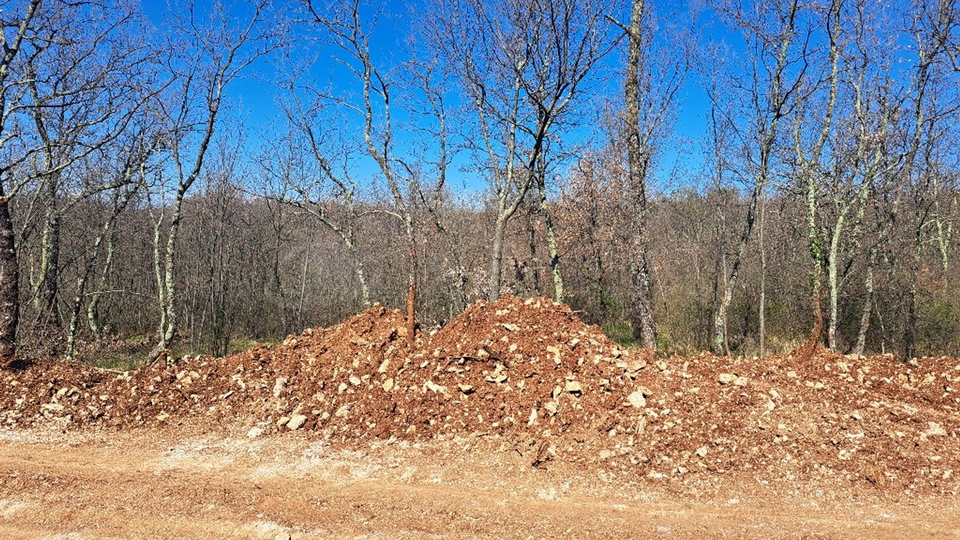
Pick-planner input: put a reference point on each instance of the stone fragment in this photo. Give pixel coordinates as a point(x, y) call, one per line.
point(434, 387)
point(637, 399)
point(296, 422)
point(702, 451)
point(354, 380)
point(278, 386)
point(935, 429)
point(255, 432)
point(574, 387)
point(387, 385)
point(740, 381)
point(726, 378)
point(465, 388)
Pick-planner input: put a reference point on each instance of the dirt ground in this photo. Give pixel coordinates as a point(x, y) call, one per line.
point(515, 420)
point(156, 483)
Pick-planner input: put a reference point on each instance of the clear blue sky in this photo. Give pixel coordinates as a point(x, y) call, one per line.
point(254, 98)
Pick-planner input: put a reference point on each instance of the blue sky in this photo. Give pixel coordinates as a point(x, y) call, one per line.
point(254, 99)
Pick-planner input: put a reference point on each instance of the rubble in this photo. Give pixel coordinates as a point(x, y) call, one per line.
point(530, 369)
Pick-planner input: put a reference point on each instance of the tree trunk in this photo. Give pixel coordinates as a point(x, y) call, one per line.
point(867, 308)
point(558, 293)
point(644, 324)
point(763, 282)
point(46, 288)
point(411, 281)
point(9, 287)
point(496, 258)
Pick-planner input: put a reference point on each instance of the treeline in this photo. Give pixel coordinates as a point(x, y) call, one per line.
point(251, 267)
point(137, 209)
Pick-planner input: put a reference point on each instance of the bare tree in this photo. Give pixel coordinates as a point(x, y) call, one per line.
point(212, 54)
point(521, 64)
point(650, 88)
point(776, 72)
point(16, 26)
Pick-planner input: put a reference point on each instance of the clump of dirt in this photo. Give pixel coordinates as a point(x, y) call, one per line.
point(531, 371)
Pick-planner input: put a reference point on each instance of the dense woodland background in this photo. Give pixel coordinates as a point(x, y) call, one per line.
point(528, 147)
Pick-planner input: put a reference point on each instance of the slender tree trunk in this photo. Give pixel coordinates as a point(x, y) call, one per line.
point(9, 287)
point(867, 307)
point(763, 281)
point(558, 293)
point(411, 280)
point(106, 232)
point(910, 326)
point(496, 256)
point(46, 288)
point(642, 317)
point(833, 282)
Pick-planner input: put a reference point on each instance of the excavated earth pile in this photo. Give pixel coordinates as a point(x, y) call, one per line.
point(530, 371)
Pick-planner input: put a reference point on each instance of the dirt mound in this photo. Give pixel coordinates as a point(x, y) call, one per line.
point(531, 371)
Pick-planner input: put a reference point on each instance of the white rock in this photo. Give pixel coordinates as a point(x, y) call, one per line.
point(935, 429)
point(726, 378)
point(296, 422)
point(637, 399)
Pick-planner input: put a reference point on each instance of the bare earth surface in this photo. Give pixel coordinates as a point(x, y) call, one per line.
point(515, 420)
point(158, 484)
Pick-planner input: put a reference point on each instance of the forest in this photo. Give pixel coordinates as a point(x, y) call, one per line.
point(727, 175)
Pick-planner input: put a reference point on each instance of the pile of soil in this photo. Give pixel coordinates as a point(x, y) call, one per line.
point(530, 371)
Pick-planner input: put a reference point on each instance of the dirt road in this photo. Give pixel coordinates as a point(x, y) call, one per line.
point(159, 484)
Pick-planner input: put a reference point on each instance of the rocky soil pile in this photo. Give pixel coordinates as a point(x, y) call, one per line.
point(530, 371)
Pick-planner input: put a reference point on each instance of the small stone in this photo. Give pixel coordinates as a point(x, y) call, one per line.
point(343, 411)
point(935, 429)
point(726, 378)
point(702, 451)
point(637, 399)
point(354, 380)
point(574, 387)
point(255, 432)
point(740, 381)
point(278, 386)
point(434, 387)
point(387, 385)
point(465, 388)
point(162, 416)
point(296, 422)
point(282, 421)
point(533, 418)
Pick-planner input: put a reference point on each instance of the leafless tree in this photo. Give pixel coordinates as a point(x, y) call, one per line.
point(211, 52)
point(774, 43)
point(521, 64)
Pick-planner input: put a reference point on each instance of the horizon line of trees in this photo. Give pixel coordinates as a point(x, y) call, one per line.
point(821, 209)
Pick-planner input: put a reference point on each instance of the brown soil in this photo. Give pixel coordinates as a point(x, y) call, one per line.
point(513, 395)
